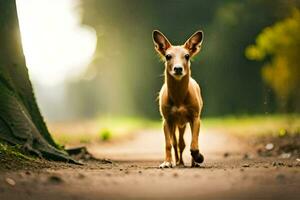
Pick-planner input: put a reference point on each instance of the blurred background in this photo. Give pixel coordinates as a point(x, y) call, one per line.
point(94, 59)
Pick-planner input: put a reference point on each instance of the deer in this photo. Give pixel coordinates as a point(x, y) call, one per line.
point(180, 101)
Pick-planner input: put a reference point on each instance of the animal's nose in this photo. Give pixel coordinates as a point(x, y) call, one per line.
point(178, 70)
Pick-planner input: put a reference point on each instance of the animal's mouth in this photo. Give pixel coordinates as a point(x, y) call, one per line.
point(178, 73)
point(178, 76)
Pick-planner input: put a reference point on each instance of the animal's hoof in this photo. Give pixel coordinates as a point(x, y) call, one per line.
point(195, 165)
point(165, 165)
point(198, 157)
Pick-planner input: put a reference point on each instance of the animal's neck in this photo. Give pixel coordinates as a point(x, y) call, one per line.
point(177, 89)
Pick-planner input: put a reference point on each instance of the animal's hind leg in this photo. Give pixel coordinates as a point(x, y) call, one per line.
point(181, 145)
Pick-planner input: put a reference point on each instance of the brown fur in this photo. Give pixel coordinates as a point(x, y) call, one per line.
point(180, 99)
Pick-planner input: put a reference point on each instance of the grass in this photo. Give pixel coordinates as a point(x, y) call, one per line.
point(98, 130)
point(11, 157)
point(107, 129)
point(255, 125)
point(13, 152)
point(105, 134)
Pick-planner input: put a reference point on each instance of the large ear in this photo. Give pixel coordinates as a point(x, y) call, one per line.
point(193, 44)
point(161, 42)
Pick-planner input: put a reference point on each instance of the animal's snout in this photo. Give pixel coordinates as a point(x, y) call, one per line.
point(178, 70)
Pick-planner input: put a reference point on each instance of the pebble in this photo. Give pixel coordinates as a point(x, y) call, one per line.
point(10, 181)
point(277, 163)
point(22, 174)
point(285, 155)
point(246, 165)
point(80, 176)
point(55, 179)
point(269, 146)
point(226, 154)
point(246, 156)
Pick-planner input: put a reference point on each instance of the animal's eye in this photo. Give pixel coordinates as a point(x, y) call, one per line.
point(187, 56)
point(168, 57)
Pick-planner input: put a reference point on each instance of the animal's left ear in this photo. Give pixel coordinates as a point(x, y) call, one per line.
point(193, 44)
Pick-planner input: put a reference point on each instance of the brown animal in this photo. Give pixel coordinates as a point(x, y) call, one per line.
point(180, 98)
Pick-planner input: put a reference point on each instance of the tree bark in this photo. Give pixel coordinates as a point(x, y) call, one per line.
point(21, 122)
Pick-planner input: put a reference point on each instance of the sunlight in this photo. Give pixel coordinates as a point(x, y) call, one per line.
point(56, 45)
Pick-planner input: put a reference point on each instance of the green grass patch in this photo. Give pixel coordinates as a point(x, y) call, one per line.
point(112, 128)
point(105, 134)
point(100, 129)
point(254, 125)
point(13, 151)
point(13, 158)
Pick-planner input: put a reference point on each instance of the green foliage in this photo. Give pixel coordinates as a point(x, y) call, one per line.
point(279, 44)
point(13, 151)
point(125, 75)
point(105, 128)
point(276, 125)
point(105, 134)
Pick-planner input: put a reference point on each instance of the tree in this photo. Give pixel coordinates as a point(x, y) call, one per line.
point(279, 44)
point(21, 122)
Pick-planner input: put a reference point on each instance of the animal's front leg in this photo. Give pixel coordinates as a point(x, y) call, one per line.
point(174, 143)
point(168, 128)
point(197, 157)
point(181, 145)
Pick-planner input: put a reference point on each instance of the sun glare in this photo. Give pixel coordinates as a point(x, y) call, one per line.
point(56, 45)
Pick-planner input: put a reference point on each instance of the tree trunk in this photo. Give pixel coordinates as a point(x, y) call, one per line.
point(20, 120)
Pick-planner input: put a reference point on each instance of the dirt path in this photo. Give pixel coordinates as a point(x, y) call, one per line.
point(231, 171)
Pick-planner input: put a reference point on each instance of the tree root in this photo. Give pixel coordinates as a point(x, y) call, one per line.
point(81, 153)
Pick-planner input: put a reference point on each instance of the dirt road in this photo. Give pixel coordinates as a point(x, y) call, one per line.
point(231, 170)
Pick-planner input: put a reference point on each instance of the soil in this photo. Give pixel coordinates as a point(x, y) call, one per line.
point(234, 168)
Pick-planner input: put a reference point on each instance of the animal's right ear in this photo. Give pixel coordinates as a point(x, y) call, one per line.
point(193, 44)
point(161, 42)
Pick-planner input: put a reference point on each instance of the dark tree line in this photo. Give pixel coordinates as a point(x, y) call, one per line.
point(124, 77)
